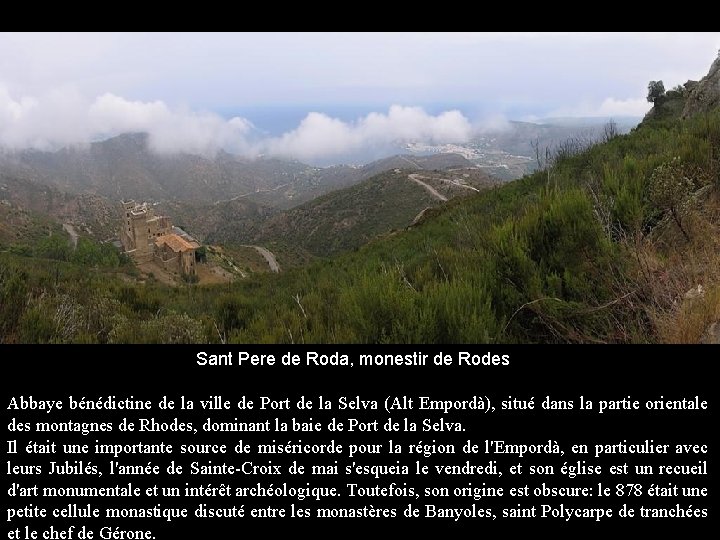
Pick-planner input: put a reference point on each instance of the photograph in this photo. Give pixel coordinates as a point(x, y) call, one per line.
point(359, 188)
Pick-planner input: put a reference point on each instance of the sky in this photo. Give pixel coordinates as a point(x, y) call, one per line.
point(336, 92)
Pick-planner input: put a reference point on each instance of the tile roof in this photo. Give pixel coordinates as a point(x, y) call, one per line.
point(175, 242)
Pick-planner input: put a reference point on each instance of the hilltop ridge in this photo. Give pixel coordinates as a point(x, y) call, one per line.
point(704, 95)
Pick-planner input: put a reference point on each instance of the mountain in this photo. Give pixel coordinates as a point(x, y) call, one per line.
point(236, 221)
point(441, 161)
point(124, 167)
point(340, 220)
point(28, 201)
point(348, 218)
point(325, 180)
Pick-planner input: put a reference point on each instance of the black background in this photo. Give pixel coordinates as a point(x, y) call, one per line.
point(562, 372)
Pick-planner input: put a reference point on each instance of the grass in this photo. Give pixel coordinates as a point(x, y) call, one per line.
point(686, 288)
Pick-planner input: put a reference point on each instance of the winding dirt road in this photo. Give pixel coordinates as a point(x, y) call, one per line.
point(269, 257)
point(458, 184)
point(72, 232)
point(416, 178)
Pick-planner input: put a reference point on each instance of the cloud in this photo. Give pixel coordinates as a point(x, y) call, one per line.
point(320, 136)
point(35, 122)
point(623, 107)
point(608, 107)
point(64, 117)
point(492, 123)
point(170, 131)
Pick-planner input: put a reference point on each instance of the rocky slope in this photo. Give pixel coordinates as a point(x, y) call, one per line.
point(705, 95)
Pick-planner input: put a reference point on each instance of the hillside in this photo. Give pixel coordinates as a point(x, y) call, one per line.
point(328, 179)
point(91, 214)
point(348, 218)
point(124, 167)
point(233, 222)
point(30, 206)
point(340, 220)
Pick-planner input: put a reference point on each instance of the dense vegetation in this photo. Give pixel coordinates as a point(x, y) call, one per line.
point(598, 247)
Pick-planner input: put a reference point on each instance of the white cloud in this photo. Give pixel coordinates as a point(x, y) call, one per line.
point(608, 107)
point(320, 136)
point(64, 117)
point(11, 110)
point(169, 130)
point(623, 107)
point(63, 88)
point(41, 122)
point(492, 123)
point(535, 71)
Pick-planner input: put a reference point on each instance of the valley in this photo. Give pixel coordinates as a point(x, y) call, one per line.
point(68, 186)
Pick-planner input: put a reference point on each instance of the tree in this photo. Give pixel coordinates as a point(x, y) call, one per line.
point(656, 90)
point(610, 131)
point(54, 247)
point(670, 188)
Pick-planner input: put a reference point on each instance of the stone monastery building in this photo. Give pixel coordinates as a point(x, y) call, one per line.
point(146, 237)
